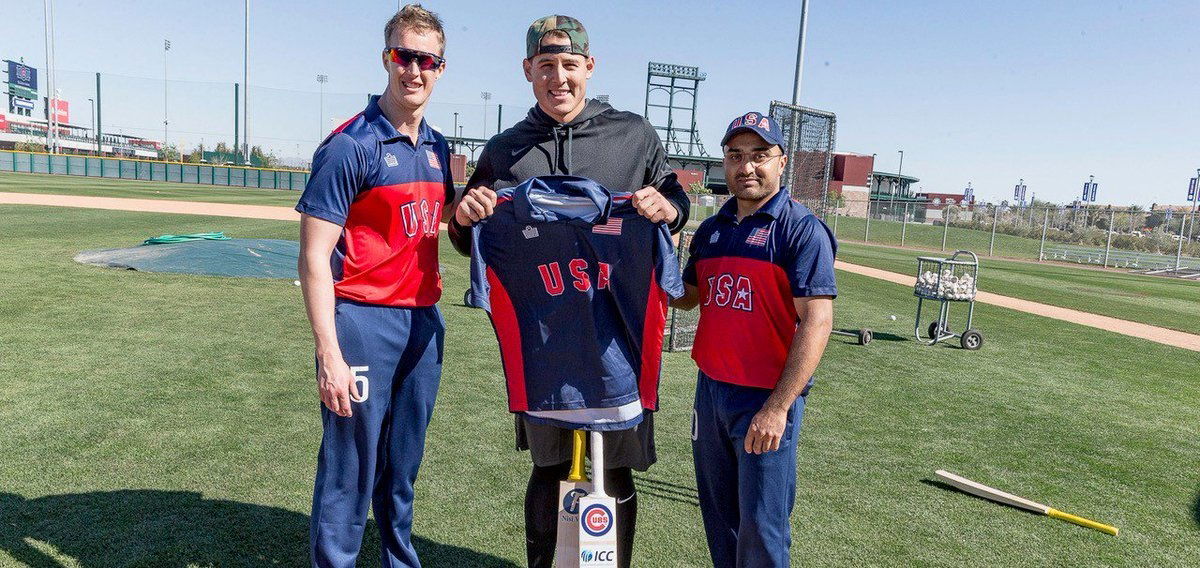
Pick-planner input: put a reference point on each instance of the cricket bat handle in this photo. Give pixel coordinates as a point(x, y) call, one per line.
point(577, 456)
point(598, 465)
point(1055, 513)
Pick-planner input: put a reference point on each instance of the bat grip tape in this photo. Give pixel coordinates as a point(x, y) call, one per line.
point(1081, 521)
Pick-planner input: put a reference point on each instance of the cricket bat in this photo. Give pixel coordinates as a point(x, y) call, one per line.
point(993, 494)
point(570, 491)
point(597, 527)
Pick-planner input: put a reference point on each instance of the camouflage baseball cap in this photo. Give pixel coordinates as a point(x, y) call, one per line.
point(566, 24)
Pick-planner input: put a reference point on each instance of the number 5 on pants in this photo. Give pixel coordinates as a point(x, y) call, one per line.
point(363, 384)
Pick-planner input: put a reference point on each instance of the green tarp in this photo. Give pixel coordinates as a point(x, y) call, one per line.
point(254, 258)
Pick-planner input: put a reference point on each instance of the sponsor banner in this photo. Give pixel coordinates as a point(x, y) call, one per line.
point(62, 113)
point(1192, 190)
point(22, 75)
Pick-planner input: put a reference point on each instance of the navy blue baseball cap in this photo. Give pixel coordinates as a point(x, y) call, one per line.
point(757, 123)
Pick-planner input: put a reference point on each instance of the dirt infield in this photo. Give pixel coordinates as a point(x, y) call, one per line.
point(1125, 327)
point(153, 206)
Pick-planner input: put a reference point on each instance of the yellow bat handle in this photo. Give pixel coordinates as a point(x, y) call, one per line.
point(1081, 521)
point(577, 457)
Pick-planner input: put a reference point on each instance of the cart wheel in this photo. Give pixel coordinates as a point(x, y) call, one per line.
point(865, 336)
point(972, 340)
point(933, 330)
point(467, 298)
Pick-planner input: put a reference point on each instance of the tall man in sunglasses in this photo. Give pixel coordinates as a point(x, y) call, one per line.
point(762, 271)
point(369, 273)
point(566, 133)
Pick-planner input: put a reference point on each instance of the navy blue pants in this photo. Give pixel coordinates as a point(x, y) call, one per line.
point(745, 499)
point(372, 457)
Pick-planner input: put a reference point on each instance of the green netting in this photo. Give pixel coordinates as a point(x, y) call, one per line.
point(254, 258)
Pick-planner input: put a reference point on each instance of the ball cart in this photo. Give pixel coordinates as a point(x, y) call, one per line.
point(946, 280)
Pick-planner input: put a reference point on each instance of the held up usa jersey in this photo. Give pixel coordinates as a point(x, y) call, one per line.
point(747, 273)
point(387, 192)
point(576, 284)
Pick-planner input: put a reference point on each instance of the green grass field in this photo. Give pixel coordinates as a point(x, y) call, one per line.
point(170, 420)
point(1167, 302)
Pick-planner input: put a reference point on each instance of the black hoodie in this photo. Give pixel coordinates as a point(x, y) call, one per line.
point(619, 150)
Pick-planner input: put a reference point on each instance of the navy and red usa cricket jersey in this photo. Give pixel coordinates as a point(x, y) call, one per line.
point(748, 272)
point(387, 192)
point(576, 284)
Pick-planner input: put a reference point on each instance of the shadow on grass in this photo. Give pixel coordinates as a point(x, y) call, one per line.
point(875, 336)
point(177, 528)
point(1196, 509)
point(660, 489)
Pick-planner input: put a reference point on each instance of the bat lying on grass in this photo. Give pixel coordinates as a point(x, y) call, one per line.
point(993, 494)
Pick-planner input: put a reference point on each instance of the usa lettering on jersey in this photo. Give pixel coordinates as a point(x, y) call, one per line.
point(552, 276)
point(730, 290)
point(421, 217)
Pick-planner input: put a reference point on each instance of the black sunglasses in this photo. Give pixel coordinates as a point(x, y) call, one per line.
point(404, 57)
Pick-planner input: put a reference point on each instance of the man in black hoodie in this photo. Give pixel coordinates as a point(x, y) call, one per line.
point(565, 133)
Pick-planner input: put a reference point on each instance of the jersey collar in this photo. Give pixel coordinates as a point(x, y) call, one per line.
point(773, 208)
point(570, 186)
point(388, 133)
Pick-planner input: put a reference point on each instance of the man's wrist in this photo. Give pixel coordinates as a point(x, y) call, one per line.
point(775, 403)
point(329, 354)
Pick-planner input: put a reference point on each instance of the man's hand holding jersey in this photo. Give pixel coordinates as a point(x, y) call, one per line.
point(651, 204)
point(478, 203)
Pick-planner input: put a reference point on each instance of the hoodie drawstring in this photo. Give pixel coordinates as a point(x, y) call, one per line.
point(559, 156)
point(570, 149)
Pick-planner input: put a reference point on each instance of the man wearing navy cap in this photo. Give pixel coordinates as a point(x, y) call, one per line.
point(761, 270)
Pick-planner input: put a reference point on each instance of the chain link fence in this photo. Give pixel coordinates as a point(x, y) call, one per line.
point(683, 323)
point(1132, 238)
point(810, 136)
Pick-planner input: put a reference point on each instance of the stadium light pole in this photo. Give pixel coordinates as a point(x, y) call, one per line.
point(246, 82)
point(485, 96)
point(455, 131)
point(94, 133)
point(166, 48)
point(321, 80)
point(51, 114)
point(800, 52)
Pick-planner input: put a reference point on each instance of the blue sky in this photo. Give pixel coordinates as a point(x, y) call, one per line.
point(986, 93)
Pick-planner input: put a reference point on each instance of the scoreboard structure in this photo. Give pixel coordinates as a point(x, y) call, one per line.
point(22, 88)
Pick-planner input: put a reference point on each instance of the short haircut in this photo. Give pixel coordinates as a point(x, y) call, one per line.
point(414, 17)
